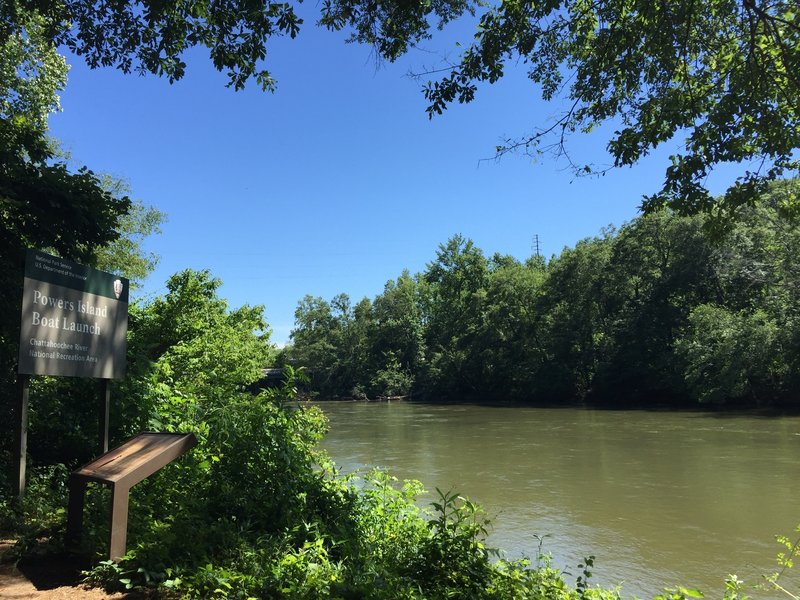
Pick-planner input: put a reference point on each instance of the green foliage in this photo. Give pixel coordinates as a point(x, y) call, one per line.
point(679, 593)
point(396, 338)
point(655, 313)
point(454, 304)
point(734, 589)
point(731, 356)
point(43, 509)
point(370, 349)
point(388, 520)
point(716, 75)
point(330, 341)
point(454, 559)
point(125, 255)
point(31, 75)
point(790, 549)
point(572, 309)
point(43, 203)
point(512, 329)
point(146, 38)
point(391, 380)
point(660, 266)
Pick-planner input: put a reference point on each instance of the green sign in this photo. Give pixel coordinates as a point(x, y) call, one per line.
point(74, 320)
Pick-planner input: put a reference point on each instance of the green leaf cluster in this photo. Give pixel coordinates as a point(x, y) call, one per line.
point(716, 78)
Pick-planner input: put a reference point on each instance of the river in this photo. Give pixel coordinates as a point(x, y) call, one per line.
point(660, 498)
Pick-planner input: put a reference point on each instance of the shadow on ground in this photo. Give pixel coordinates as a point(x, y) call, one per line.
point(53, 570)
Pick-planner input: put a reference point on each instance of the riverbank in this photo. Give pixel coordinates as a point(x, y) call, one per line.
point(717, 410)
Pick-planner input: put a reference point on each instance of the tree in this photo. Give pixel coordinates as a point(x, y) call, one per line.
point(31, 75)
point(511, 345)
point(192, 329)
point(732, 356)
point(356, 327)
point(744, 345)
point(152, 37)
point(454, 306)
point(717, 76)
point(575, 314)
point(722, 74)
point(329, 339)
point(397, 340)
point(660, 268)
point(313, 341)
point(756, 262)
point(125, 255)
point(43, 204)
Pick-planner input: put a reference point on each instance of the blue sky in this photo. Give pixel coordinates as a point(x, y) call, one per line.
point(338, 181)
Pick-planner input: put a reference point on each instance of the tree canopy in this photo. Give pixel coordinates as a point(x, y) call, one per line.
point(717, 78)
point(39, 193)
point(719, 74)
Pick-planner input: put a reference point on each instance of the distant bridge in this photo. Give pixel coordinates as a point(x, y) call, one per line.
point(273, 375)
point(270, 378)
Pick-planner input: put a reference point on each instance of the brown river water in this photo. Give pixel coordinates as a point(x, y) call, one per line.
point(659, 498)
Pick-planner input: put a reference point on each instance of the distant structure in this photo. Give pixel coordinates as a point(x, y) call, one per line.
point(273, 375)
point(535, 245)
point(270, 378)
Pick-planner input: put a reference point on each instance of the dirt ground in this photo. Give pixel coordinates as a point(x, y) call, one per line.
point(46, 578)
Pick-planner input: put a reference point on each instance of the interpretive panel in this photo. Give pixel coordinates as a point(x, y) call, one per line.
point(74, 320)
point(121, 469)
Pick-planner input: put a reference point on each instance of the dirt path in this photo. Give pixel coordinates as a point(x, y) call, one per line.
point(52, 578)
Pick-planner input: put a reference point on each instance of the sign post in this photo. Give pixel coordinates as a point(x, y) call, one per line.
point(21, 437)
point(74, 324)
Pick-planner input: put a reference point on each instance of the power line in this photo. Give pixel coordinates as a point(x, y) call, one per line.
point(535, 245)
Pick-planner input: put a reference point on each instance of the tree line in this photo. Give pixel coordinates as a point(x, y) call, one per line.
point(662, 311)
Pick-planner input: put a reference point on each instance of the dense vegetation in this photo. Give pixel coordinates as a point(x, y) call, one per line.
point(255, 510)
point(657, 312)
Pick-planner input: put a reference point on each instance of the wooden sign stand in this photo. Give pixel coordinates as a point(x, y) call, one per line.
point(121, 469)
